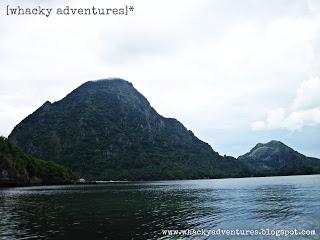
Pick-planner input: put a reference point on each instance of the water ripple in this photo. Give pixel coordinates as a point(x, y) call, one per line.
point(141, 210)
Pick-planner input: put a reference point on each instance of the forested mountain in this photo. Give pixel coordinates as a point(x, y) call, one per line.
point(106, 130)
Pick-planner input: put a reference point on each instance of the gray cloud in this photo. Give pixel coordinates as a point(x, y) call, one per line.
point(218, 66)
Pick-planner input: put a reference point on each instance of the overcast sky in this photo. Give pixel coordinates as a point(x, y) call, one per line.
point(234, 72)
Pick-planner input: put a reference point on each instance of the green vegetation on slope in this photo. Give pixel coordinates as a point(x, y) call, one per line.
point(107, 130)
point(275, 158)
point(18, 168)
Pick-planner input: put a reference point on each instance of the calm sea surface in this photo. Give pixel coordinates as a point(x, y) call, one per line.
point(141, 210)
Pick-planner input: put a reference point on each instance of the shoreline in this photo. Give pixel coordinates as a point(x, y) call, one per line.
point(136, 181)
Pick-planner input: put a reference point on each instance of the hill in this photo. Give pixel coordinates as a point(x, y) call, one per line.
point(276, 158)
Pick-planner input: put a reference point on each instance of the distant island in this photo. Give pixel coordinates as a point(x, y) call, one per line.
point(107, 130)
point(276, 159)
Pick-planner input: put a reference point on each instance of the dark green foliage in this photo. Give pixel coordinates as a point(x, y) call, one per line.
point(18, 168)
point(275, 158)
point(107, 130)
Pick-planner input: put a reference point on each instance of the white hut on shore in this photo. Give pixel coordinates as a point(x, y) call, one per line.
point(81, 180)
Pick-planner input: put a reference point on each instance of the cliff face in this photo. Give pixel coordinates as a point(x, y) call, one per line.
point(20, 169)
point(106, 129)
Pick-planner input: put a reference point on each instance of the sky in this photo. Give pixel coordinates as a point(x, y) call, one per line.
point(236, 73)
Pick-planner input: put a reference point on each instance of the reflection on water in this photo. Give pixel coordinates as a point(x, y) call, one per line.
point(141, 210)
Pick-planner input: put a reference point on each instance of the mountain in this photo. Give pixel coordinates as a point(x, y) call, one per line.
point(276, 158)
point(20, 169)
point(106, 129)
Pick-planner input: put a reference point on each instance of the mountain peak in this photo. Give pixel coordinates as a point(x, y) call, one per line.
point(109, 86)
point(270, 144)
point(107, 82)
point(107, 93)
point(275, 143)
